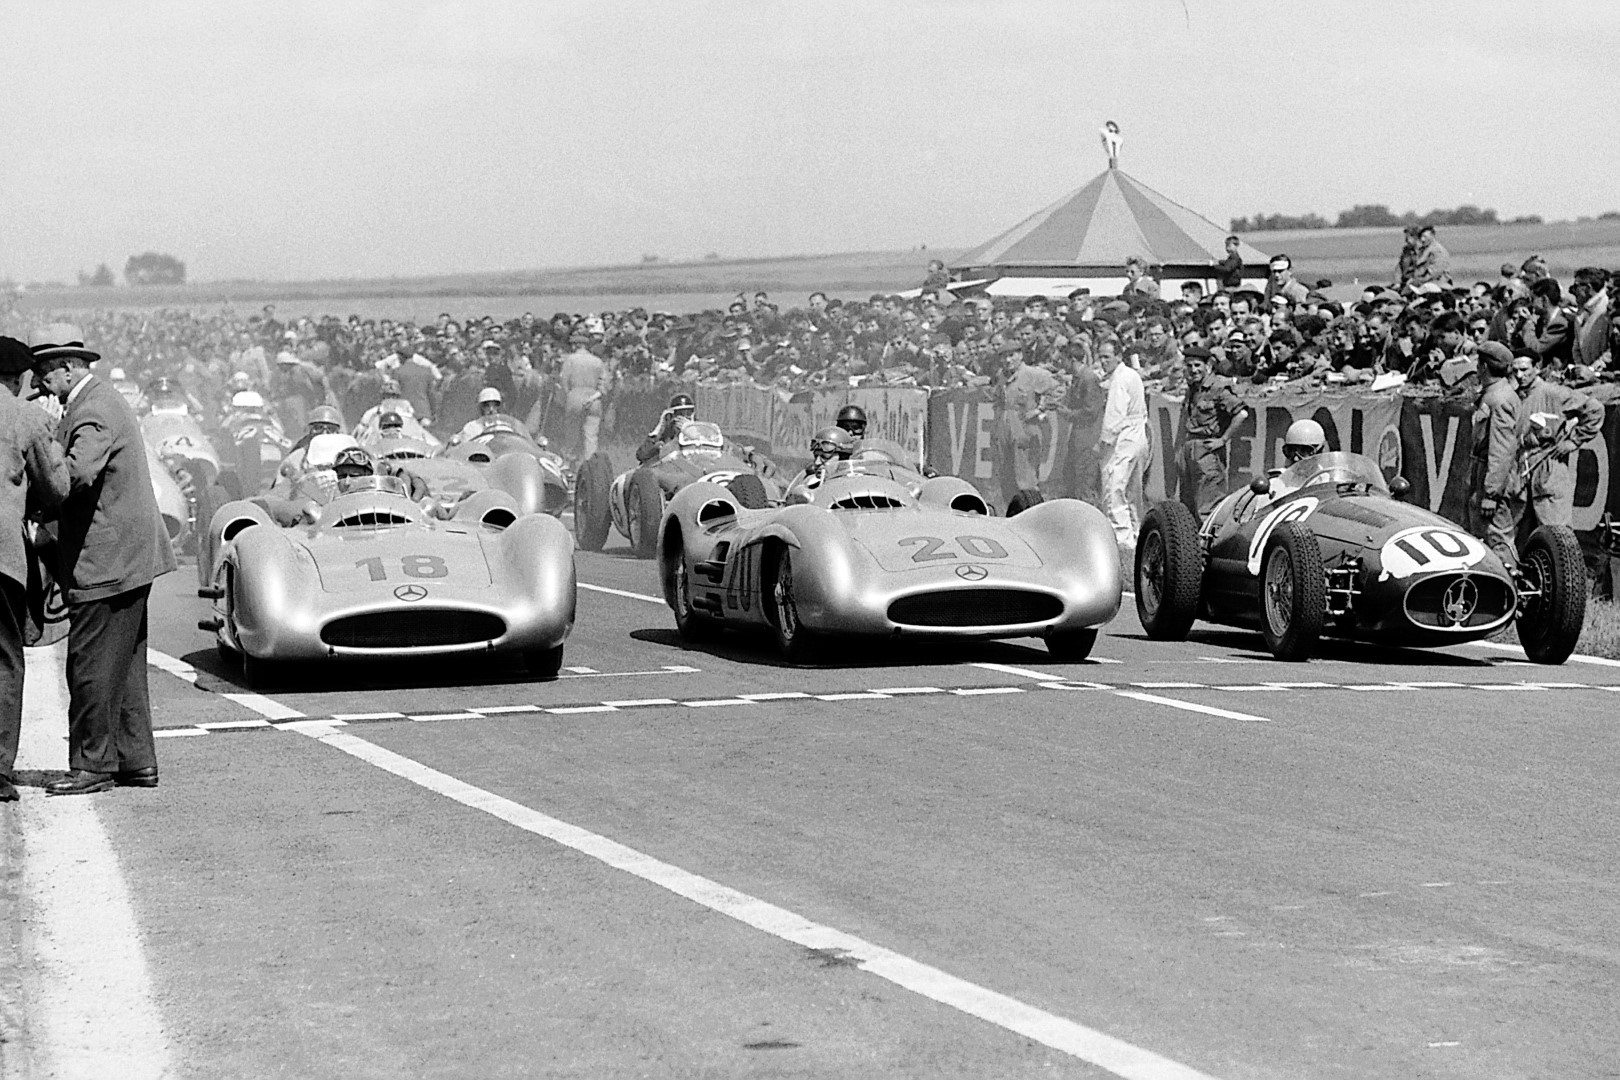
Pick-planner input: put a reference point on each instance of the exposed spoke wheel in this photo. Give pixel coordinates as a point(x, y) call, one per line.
point(796, 642)
point(1169, 572)
point(593, 515)
point(1293, 592)
point(692, 624)
point(1071, 646)
point(1550, 620)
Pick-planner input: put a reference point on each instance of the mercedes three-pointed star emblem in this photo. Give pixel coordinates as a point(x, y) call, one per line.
point(972, 572)
point(410, 592)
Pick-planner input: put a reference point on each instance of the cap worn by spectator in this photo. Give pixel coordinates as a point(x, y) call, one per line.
point(1497, 350)
point(15, 356)
point(489, 393)
point(1196, 352)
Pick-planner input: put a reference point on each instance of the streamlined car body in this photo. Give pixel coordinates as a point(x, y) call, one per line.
point(633, 502)
point(863, 558)
point(1326, 547)
point(462, 470)
point(378, 577)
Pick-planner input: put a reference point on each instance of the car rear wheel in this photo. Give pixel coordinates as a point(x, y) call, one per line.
point(1169, 572)
point(1293, 593)
point(1071, 646)
point(1022, 501)
point(209, 499)
point(797, 643)
point(544, 664)
point(1550, 623)
point(593, 515)
point(644, 509)
point(749, 491)
point(259, 673)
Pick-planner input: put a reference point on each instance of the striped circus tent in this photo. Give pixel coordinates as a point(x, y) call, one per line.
point(1089, 233)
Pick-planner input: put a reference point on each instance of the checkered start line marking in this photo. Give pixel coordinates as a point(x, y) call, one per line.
point(1128, 689)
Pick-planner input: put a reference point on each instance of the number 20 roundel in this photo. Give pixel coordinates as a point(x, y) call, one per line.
point(1427, 549)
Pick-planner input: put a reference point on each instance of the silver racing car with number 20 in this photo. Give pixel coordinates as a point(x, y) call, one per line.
point(864, 558)
point(1326, 547)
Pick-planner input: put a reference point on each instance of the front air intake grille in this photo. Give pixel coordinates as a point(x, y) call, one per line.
point(975, 607)
point(1459, 601)
point(415, 629)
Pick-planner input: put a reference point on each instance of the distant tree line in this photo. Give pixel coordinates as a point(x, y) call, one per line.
point(1372, 215)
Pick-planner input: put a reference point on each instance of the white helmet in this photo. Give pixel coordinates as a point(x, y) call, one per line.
point(1303, 439)
point(324, 449)
point(489, 393)
point(247, 399)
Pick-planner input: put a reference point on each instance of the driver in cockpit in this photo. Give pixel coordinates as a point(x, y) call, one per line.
point(332, 464)
point(829, 446)
point(1303, 439)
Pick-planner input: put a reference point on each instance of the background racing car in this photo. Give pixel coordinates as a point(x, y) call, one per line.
point(1326, 547)
point(633, 502)
point(865, 559)
point(377, 577)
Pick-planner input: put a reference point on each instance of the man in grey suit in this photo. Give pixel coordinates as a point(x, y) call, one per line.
point(111, 545)
point(33, 476)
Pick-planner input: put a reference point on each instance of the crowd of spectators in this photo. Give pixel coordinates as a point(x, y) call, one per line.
point(1422, 331)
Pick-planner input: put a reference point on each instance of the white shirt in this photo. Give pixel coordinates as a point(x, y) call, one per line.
point(1125, 415)
point(78, 387)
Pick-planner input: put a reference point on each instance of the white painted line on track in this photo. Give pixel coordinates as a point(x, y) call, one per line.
point(173, 665)
point(712, 702)
point(233, 725)
point(634, 703)
point(1191, 706)
point(1171, 685)
point(1086, 1044)
point(582, 670)
point(177, 733)
point(265, 707)
point(1577, 658)
point(92, 1009)
point(569, 710)
point(858, 695)
point(780, 695)
point(979, 691)
point(902, 691)
point(502, 710)
point(346, 716)
point(428, 718)
point(667, 669)
point(1021, 672)
point(659, 600)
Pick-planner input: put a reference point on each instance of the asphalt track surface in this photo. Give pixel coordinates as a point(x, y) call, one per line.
point(1172, 861)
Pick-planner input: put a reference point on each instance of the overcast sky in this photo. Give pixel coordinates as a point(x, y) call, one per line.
point(334, 138)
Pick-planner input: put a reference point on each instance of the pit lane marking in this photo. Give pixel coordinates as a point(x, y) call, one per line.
point(659, 600)
point(1193, 706)
point(1107, 1052)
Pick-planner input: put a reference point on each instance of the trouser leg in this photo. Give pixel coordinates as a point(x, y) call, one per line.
point(1211, 479)
point(1121, 472)
point(12, 600)
point(103, 639)
point(589, 430)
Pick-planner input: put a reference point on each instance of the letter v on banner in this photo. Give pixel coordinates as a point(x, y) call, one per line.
point(1438, 475)
point(957, 414)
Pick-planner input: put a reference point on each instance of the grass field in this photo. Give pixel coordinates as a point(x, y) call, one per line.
point(1349, 257)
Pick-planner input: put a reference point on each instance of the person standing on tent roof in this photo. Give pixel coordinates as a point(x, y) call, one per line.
point(1111, 140)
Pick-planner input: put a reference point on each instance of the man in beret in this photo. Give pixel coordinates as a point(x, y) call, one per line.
point(111, 544)
point(1495, 489)
point(33, 478)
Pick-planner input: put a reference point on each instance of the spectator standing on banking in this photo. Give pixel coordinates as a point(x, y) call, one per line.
point(1554, 422)
point(1495, 490)
point(1123, 444)
point(583, 378)
point(111, 545)
point(34, 477)
point(1028, 395)
point(1210, 415)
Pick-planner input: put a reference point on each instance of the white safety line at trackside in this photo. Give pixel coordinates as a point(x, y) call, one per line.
point(1577, 658)
point(1086, 1044)
point(87, 987)
point(1192, 706)
point(265, 707)
point(622, 592)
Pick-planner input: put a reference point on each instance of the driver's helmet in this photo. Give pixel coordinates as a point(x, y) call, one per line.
point(390, 386)
point(353, 461)
point(832, 442)
point(683, 406)
point(160, 385)
point(1303, 439)
point(390, 422)
point(324, 420)
point(247, 401)
point(852, 418)
point(489, 395)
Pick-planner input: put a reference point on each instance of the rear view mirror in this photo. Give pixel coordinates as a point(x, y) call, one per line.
point(1400, 487)
point(1260, 485)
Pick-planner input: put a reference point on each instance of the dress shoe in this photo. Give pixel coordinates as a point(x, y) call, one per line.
point(80, 782)
point(8, 790)
point(146, 777)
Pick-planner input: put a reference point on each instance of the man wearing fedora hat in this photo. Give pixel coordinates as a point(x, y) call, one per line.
point(33, 476)
point(111, 544)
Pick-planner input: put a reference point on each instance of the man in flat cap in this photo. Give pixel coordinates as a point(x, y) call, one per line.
point(1495, 487)
point(111, 544)
point(33, 478)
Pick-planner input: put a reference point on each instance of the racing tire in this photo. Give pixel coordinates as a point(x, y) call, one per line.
point(797, 643)
point(692, 625)
point(1293, 593)
point(259, 673)
point(209, 499)
point(544, 664)
point(593, 516)
point(1071, 646)
point(1550, 625)
point(646, 509)
point(1022, 501)
point(749, 491)
point(1169, 572)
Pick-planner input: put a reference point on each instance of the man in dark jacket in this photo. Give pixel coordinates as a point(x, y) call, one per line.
point(33, 477)
point(111, 544)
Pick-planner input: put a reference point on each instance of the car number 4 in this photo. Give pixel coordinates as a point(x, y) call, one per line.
point(413, 566)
